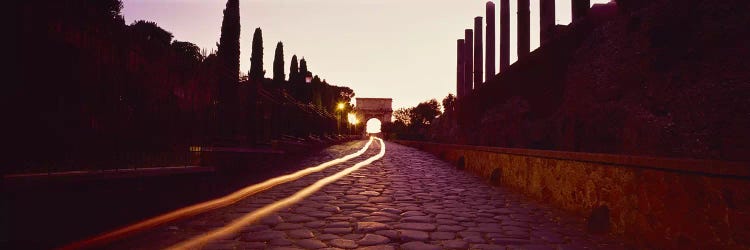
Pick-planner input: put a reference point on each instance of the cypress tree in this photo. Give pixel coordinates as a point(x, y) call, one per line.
point(228, 56)
point(278, 63)
point(256, 57)
point(229, 43)
point(303, 69)
point(294, 70)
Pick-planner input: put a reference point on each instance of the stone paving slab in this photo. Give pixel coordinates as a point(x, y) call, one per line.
point(407, 200)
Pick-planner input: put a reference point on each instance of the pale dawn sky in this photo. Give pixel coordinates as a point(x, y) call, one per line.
point(400, 49)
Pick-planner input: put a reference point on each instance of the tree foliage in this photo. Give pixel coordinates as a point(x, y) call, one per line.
point(403, 115)
point(229, 43)
point(152, 31)
point(423, 114)
point(412, 123)
point(303, 71)
point(449, 103)
point(256, 57)
point(278, 63)
point(294, 70)
point(188, 51)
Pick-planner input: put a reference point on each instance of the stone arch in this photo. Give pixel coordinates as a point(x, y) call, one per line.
point(380, 108)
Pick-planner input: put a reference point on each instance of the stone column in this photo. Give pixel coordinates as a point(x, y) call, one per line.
point(547, 20)
point(580, 8)
point(504, 35)
point(460, 75)
point(468, 61)
point(489, 69)
point(524, 29)
point(478, 54)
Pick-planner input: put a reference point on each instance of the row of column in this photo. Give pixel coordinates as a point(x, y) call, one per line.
point(469, 50)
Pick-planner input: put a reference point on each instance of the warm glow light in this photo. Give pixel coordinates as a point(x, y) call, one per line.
point(340, 106)
point(237, 224)
point(373, 126)
point(353, 119)
point(208, 205)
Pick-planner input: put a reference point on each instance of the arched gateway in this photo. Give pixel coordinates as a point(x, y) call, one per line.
point(379, 108)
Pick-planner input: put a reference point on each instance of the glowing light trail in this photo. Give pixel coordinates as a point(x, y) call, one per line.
point(209, 205)
point(237, 224)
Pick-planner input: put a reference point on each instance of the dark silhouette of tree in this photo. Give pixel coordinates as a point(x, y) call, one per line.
point(294, 70)
point(256, 58)
point(131, 88)
point(187, 51)
point(152, 32)
point(423, 114)
point(110, 8)
point(449, 102)
point(229, 42)
point(303, 72)
point(278, 63)
point(229, 65)
point(317, 91)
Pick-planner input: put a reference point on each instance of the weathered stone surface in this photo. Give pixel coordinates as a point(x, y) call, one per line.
point(373, 239)
point(449, 228)
point(455, 244)
point(338, 224)
point(325, 237)
point(342, 243)
point(310, 244)
point(272, 220)
point(392, 234)
point(434, 206)
point(366, 227)
point(413, 235)
point(412, 213)
point(353, 236)
point(416, 226)
point(355, 197)
point(422, 219)
point(297, 218)
point(369, 193)
point(300, 234)
point(378, 247)
point(280, 242)
point(338, 230)
point(287, 226)
point(442, 235)
point(263, 235)
point(416, 245)
point(378, 219)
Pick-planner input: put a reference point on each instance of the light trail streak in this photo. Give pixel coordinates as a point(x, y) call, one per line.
point(238, 223)
point(208, 205)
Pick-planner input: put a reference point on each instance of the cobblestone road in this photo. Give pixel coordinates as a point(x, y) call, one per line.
point(407, 200)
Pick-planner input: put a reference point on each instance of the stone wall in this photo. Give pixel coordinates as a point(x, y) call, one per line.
point(380, 108)
point(661, 203)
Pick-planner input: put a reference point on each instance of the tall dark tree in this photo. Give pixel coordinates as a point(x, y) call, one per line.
point(229, 65)
point(294, 70)
point(278, 63)
point(229, 43)
point(317, 91)
point(256, 57)
point(303, 68)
